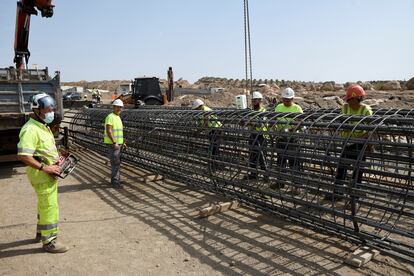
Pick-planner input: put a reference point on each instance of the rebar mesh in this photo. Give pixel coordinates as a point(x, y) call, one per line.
point(310, 168)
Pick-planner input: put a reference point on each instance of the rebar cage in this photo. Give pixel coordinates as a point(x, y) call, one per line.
point(348, 175)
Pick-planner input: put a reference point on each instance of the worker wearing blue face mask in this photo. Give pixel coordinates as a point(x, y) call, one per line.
point(37, 150)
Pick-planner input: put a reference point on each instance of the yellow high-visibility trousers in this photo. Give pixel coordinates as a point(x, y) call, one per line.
point(47, 209)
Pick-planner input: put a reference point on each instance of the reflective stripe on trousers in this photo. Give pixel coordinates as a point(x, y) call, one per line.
point(47, 226)
point(48, 210)
point(48, 238)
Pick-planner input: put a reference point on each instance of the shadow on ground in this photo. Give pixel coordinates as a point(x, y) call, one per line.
point(240, 241)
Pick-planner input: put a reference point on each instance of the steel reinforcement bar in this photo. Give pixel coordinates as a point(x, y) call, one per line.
point(348, 175)
point(376, 111)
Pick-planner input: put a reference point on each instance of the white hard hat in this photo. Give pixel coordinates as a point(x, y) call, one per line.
point(118, 102)
point(257, 95)
point(197, 103)
point(42, 100)
point(288, 93)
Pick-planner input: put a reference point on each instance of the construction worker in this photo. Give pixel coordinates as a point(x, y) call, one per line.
point(114, 138)
point(94, 94)
point(258, 139)
point(37, 149)
point(354, 96)
point(114, 96)
point(285, 125)
point(98, 96)
point(214, 134)
point(285, 144)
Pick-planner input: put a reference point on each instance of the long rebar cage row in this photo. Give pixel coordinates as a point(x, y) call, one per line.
point(376, 111)
point(347, 175)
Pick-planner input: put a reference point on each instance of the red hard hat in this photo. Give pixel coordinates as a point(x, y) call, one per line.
point(354, 91)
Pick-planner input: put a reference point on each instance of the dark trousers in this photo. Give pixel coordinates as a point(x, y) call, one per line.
point(286, 146)
point(350, 152)
point(257, 154)
point(115, 158)
point(215, 139)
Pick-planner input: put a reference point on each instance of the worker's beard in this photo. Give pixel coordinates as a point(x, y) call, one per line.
point(256, 106)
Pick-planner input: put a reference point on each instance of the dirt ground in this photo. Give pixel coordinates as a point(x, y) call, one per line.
point(151, 229)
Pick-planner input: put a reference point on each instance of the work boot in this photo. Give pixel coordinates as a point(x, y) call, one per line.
point(55, 247)
point(38, 238)
point(116, 185)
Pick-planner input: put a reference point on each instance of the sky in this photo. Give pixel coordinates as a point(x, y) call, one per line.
point(306, 40)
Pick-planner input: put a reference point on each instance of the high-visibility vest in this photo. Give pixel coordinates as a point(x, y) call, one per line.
point(117, 129)
point(262, 127)
point(362, 110)
point(212, 120)
point(285, 123)
point(36, 139)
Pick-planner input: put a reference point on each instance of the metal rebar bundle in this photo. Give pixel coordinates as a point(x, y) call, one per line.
point(347, 175)
point(376, 111)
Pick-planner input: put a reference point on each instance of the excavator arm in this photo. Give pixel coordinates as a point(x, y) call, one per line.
point(26, 8)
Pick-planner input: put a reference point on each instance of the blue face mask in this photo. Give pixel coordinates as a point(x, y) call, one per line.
point(49, 117)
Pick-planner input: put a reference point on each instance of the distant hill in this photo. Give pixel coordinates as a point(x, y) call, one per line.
point(208, 82)
point(110, 85)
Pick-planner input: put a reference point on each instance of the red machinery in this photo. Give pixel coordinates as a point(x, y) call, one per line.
point(26, 8)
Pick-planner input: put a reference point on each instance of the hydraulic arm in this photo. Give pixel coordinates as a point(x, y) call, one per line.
point(26, 8)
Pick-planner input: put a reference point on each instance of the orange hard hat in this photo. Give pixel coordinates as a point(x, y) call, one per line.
point(354, 91)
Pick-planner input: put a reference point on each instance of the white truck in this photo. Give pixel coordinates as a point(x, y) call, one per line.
point(16, 89)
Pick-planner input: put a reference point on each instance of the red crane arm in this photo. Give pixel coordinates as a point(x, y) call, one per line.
point(26, 8)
